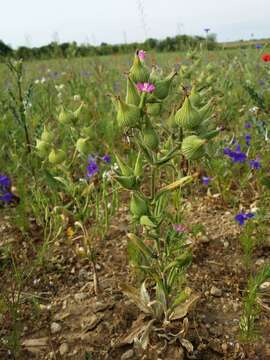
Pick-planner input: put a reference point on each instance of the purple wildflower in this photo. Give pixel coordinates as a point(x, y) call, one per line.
point(141, 54)
point(180, 228)
point(206, 180)
point(248, 125)
point(248, 139)
point(242, 217)
point(146, 87)
point(258, 46)
point(92, 168)
point(7, 197)
point(106, 158)
point(5, 182)
point(255, 164)
point(237, 155)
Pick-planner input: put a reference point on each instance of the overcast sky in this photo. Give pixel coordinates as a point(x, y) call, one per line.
point(38, 22)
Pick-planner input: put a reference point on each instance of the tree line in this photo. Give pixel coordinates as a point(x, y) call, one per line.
point(73, 49)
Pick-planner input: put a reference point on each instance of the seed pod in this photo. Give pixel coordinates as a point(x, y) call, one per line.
point(187, 116)
point(154, 109)
point(194, 97)
point(43, 148)
point(133, 96)
point(138, 169)
point(193, 147)
point(65, 116)
point(57, 156)
point(163, 86)
point(138, 72)
point(171, 120)
point(125, 169)
point(128, 115)
point(138, 206)
point(206, 110)
point(155, 74)
point(127, 182)
point(150, 137)
point(47, 135)
point(82, 145)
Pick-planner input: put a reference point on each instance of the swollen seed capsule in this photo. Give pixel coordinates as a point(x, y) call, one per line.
point(128, 116)
point(150, 138)
point(138, 72)
point(43, 148)
point(133, 96)
point(82, 145)
point(57, 156)
point(47, 135)
point(193, 147)
point(138, 206)
point(187, 116)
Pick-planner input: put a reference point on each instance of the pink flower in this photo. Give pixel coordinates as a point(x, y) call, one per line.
point(146, 87)
point(180, 228)
point(141, 54)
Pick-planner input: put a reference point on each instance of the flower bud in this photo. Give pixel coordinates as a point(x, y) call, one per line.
point(139, 72)
point(47, 135)
point(194, 97)
point(193, 147)
point(206, 110)
point(155, 74)
point(128, 115)
point(125, 169)
point(65, 116)
point(150, 137)
point(163, 86)
point(57, 156)
point(82, 146)
point(138, 206)
point(127, 182)
point(154, 109)
point(43, 148)
point(133, 96)
point(187, 116)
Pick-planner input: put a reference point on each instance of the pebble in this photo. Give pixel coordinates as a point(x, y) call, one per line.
point(215, 291)
point(55, 328)
point(63, 348)
point(127, 355)
point(260, 262)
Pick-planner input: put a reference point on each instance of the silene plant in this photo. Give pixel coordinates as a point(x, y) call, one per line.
point(157, 246)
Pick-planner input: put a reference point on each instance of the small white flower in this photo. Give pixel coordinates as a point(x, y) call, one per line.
point(77, 98)
point(59, 87)
point(37, 81)
point(115, 166)
point(43, 80)
point(254, 109)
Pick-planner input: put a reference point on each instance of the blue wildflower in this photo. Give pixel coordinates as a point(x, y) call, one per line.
point(242, 217)
point(255, 164)
point(206, 180)
point(106, 158)
point(258, 46)
point(7, 197)
point(237, 155)
point(248, 125)
point(92, 168)
point(248, 139)
point(5, 182)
